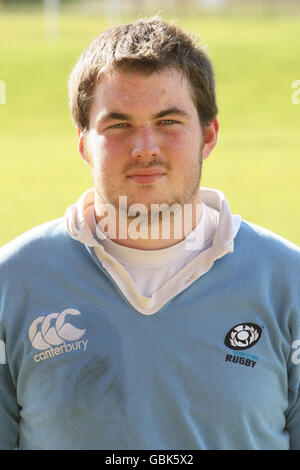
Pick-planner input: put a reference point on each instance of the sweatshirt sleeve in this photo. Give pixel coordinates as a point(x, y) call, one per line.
point(9, 410)
point(293, 412)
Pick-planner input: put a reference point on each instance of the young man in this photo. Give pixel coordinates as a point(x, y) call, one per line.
point(149, 317)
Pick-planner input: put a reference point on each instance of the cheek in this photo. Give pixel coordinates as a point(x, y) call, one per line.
point(181, 147)
point(106, 154)
point(112, 151)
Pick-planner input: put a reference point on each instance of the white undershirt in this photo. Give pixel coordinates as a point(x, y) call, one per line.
point(149, 279)
point(151, 269)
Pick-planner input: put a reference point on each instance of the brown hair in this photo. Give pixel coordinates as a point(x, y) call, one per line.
point(147, 45)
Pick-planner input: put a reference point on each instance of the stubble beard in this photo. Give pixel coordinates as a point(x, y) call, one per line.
point(177, 201)
point(160, 214)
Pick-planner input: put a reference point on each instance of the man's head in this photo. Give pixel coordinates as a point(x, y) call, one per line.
point(143, 100)
point(145, 45)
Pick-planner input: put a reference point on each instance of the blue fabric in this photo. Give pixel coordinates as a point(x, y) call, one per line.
point(103, 376)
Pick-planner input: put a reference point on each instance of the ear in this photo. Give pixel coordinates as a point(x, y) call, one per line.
point(82, 146)
point(210, 137)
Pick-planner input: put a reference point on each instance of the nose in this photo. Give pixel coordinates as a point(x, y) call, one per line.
point(145, 145)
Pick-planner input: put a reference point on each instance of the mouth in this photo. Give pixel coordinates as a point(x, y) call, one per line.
point(146, 176)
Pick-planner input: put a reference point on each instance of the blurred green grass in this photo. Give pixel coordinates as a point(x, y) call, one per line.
point(256, 162)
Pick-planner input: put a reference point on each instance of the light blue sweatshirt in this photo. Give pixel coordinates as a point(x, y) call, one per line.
point(217, 367)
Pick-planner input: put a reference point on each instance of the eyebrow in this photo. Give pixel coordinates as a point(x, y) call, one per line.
point(126, 117)
point(173, 110)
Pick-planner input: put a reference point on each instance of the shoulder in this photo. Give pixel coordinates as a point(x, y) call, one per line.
point(33, 237)
point(266, 246)
point(35, 244)
point(259, 235)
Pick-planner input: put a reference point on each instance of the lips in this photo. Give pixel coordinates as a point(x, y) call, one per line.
point(146, 175)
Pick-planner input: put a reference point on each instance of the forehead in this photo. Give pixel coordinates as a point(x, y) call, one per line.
point(137, 91)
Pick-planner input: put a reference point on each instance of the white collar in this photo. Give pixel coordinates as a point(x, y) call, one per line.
point(81, 226)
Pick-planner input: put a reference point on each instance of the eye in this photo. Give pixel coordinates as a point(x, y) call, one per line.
point(168, 122)
point(119, 125)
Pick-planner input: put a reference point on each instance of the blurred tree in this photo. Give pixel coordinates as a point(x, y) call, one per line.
point(29, 2)
point(14, 2)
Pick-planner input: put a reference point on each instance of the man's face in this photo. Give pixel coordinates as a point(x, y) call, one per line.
point(145, 140)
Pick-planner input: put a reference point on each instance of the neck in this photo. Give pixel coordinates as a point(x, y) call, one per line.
point(149, 232)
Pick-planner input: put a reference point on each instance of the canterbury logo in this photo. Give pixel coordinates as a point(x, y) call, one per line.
point(53, 330)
